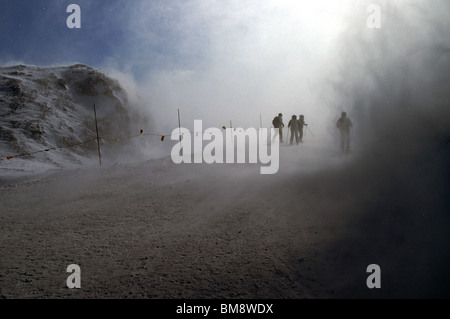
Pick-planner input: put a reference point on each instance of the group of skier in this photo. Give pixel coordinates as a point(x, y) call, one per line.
point(296, 126)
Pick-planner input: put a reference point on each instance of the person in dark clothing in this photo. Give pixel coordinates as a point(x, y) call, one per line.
point(301, 123)
point(344, 124)
point(278, 124)
point(293, 125)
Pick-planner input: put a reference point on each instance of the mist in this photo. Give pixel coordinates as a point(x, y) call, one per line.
point(393, 82)
point(325, 216)
point(388, 202)
point(239, 61)
point(391, 195)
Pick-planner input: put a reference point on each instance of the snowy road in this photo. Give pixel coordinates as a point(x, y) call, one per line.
point(160, 230)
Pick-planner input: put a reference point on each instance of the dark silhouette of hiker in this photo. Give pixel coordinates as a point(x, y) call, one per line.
point(278, 124)
point(293, 125)
point(344, 124)
point(301, 123)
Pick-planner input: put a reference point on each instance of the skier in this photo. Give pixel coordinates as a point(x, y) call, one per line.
point(293, 125)
point(278, 124)
point(344, 124)
point(301, 124)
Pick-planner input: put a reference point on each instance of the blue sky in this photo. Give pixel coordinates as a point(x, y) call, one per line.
point(35, 32)
point(210, 56)
point(136, 36)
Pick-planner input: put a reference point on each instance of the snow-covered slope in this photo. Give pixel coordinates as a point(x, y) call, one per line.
point(43, 108)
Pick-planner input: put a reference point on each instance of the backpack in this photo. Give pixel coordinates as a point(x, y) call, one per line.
point(276, 122)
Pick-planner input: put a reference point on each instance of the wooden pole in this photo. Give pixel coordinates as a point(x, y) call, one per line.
point(98, 138)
